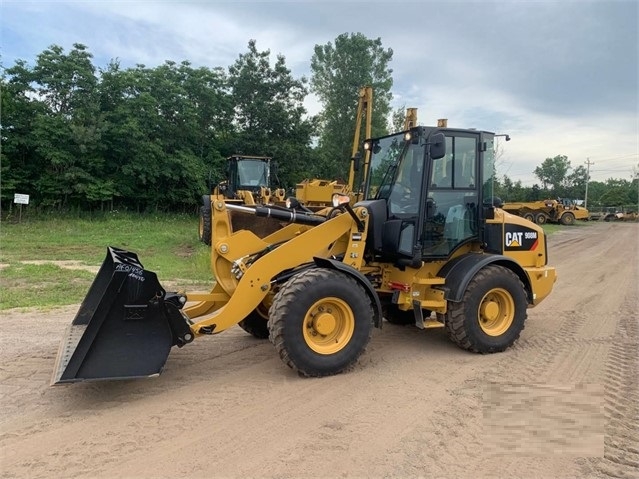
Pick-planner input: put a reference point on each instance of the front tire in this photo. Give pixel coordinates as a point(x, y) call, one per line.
point(321, 321)
point(492, 312)
point(205, 223)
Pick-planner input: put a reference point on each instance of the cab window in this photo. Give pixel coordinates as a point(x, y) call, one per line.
point(458, 169)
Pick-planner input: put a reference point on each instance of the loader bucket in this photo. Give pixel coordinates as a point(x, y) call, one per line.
point(125, 326)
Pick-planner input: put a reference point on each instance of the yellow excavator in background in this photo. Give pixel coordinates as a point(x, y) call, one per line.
point(426, 246)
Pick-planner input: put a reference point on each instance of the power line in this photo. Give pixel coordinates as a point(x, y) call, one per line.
point(619, 157)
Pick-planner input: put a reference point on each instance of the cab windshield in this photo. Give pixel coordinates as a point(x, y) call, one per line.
point(385, 157)
point(252, 173)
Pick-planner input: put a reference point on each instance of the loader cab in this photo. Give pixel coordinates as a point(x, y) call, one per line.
point(248, 173)
point(433, 182)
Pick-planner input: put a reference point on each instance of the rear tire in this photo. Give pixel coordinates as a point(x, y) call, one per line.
point(529, 217)
point(541, 219)
point(321, 321)
point(256, 323)
point(205, 227)
point(492, 312)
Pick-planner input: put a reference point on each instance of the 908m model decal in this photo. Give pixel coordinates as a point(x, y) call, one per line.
point(520, 238)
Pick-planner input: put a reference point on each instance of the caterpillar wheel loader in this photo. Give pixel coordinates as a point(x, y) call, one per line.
point(248, 182)
point(425, 247)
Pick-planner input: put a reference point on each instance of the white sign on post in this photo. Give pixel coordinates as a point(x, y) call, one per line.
point(21, 199)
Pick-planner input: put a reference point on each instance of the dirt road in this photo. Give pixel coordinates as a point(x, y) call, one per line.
point(563, 402)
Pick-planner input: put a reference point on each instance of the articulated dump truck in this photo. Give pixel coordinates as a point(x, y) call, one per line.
point(560, 211)
point(426, 246)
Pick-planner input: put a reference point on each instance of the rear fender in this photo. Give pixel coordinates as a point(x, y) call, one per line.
point(459, 271)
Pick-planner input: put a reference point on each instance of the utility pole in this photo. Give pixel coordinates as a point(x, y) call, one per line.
point(588, 163)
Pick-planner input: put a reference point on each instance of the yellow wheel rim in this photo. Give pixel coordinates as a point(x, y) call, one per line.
point(328, 325)
point(496, 312)
point(201, 227)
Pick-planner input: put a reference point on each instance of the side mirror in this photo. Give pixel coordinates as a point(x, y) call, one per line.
point(489, 212)
point(437, 144)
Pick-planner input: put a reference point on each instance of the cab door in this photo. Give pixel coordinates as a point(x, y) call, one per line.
point(451, 216)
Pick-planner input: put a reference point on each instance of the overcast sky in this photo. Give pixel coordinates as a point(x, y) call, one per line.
point(560, 77)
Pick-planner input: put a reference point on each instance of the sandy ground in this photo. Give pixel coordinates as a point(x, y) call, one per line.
point(563, 402)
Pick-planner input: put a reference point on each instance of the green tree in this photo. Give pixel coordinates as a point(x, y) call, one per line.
point(511, 191)
point(398, 118)
point(618, 192)
point(166, 127)
point(62, 138)
point(20, 167)
point(269, 112)
point(596, 190)
point(534, 193)
point(576, 183)
point(553, 173)
point(339, 70)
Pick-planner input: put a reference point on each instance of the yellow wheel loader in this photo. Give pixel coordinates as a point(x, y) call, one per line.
point(425, 246)
point(248, 182)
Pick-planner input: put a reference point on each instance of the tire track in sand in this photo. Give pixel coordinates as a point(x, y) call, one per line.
point(621, 443)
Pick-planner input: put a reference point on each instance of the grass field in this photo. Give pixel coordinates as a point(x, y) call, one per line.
point(165, 244)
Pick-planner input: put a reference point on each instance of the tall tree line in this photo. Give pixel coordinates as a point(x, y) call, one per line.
point(79, 137)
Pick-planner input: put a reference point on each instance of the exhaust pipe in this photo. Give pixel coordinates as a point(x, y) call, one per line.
point(125, 326)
